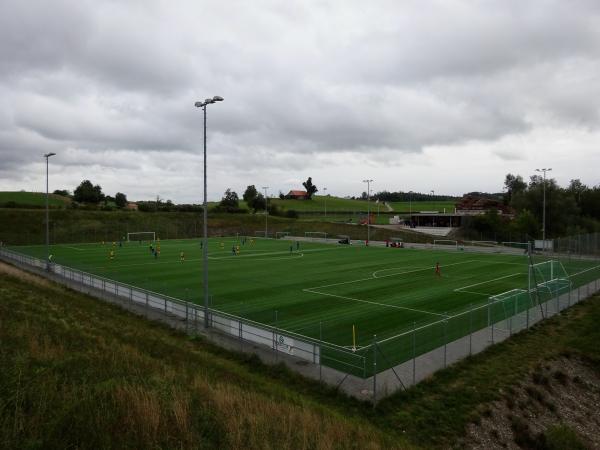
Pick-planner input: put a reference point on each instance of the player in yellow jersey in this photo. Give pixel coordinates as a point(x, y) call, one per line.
point(182, 257)
point(111, 255)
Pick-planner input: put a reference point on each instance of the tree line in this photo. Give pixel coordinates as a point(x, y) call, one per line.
point(570, 210)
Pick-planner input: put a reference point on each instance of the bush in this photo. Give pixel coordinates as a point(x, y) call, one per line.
point(291, 213)
point(559, 437)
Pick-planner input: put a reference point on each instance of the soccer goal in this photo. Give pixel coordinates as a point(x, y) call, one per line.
point(281, 234)
point(549, 275)
point(314, 235)
point(445, 243)
point(141, 236)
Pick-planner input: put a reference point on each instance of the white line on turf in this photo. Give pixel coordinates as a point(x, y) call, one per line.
point(462, 289)
point(75, 248)
point(372, 303)
point(391, 275)
point(583, 271)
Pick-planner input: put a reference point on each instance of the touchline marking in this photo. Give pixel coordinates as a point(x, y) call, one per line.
point(75, 248)
point(583, 271)
point(488, 281)
point(391, 275)
point(478, 293)
point(372, 303)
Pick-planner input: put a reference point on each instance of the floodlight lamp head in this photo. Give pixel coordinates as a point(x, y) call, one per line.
point(208, 100)
point(217, 98)
point(48, 155)
point(198, 105)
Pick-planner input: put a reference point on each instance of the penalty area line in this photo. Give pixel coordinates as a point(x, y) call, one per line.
point(310, 290)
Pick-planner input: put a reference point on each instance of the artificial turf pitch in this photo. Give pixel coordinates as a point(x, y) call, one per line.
point(321, 290)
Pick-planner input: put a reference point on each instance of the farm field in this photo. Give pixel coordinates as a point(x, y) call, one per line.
point(320, 290)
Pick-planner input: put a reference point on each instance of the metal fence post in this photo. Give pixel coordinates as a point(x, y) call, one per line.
point(374, 369)
point(414, 352)
point(470, 329)
point(276, 349)
point(320, 350)
point(445, 338)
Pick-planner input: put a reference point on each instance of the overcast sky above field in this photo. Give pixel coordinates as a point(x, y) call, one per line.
point(442, 95)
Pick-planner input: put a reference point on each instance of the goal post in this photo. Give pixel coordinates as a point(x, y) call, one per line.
point(141, 236)
point(313, 235)
point(445, 243)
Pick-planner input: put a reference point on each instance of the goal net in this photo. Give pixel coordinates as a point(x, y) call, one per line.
point(281, 234)
point(445, 243)
point(506, 312)
point(549, 275)
point(314, 235)
point(141, 236)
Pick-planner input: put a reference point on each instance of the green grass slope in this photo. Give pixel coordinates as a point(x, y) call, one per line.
point(19, 226)
point(32, 199)
point(78, 373)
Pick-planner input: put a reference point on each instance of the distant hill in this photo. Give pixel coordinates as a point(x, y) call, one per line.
point(31, 199)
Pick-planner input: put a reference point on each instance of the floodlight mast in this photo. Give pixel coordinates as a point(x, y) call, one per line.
point(368, 209)
point(324, 193)
point(202, 105)
point(266, 212)
point(544, 207)
point(47, 156)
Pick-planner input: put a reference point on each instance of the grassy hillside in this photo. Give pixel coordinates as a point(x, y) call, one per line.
point(405, 207)
point(32, 199)
point(78, 373)
point(27, 226)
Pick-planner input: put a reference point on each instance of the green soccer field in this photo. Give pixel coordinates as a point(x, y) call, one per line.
point(321, 290)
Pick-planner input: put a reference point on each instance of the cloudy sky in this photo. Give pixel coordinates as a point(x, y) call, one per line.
point(417, 95)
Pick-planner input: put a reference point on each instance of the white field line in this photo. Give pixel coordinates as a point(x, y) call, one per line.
point(478, 293)
point(461, 289)
point(255, 256)
point(372, 303)
point(74, 248)
point(583, 271)
point(390, 275)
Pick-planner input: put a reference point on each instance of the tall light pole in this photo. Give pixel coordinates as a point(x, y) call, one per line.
point(544, 207)
point(325, 190)
point(203, 105)
point(432, 193)
point(368, 209)
point(410, 193)
point(266, 211)
point(47, 156)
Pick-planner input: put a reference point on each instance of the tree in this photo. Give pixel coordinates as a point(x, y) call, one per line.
point(514, 186)
point(120, 200)
point(249, 195)
point(258, 203)
point(311, 189)
point(230, 199)
point(86, 192)
point(62, 192)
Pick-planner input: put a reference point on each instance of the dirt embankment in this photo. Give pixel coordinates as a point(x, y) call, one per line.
point(559, 404)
